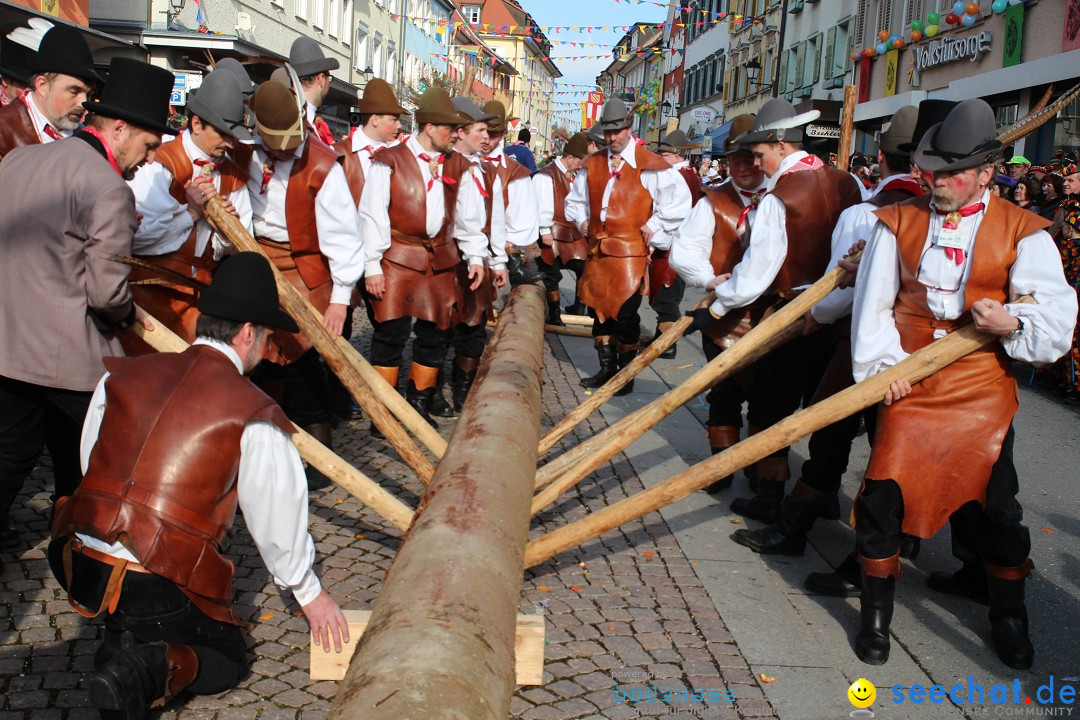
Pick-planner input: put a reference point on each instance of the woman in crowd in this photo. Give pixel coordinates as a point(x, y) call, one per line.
point(1053, 188)
point(1025, 192)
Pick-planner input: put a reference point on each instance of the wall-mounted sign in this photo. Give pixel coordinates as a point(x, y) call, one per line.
point(703, 114)
point(949, 49)
point(891, 63)
point(823, 131)
point(183, 84)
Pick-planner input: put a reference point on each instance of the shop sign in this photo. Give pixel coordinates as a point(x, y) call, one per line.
point(949, 49)
point(703, 114)
point(823, 131)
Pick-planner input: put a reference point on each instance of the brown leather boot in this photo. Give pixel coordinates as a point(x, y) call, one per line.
point(421, 389)
point(141, 677)
point(721, 437)
point(325, 435)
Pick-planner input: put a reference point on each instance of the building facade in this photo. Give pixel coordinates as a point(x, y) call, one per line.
point(702, 114)
point(377, 40)
point(636, 76)
point(426, 41)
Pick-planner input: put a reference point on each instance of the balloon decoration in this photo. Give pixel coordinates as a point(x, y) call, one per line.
point(916, 25)
point(931, 30)
point(869, 52)
point(916, 36)
point(932, 18)
point(962, 12)
point(959, 6)
point(969, 20)
point(973, 9)
point(999, 6)
point(883, 36)
point(881, 48)
point(952, 19)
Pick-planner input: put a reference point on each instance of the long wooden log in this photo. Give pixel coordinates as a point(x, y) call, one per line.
point(604, 393)
point(311, 326)
point(440, 642)
point(769, 334)
point(918, 366)
point(577, 320)
point(847, 126)
point(314, 452)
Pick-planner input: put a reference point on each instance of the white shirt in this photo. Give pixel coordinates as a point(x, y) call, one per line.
point(855, 224)
point(365, 147)
point(522, 212)
point(670, 196)
point(1048, 325)
point(544, 190)
point(335, 218)
point(692, 245)
point(166, 224)
point(469, 215)
point(40, 121)
point(271, 489)
point(497, 235)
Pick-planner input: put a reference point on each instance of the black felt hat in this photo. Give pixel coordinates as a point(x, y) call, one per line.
point(244, 290)
point(137, 92)
point(931, 112)
point(16, 59)
point(219, 101)
point(966, 138)
point(64, 50)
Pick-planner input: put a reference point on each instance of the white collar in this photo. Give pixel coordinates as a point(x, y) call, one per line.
point(680, 166)
point(786, 164)
point(629, 153)
point(497, 153)
point(418, 149)
point(39, 119)
point(310, 110)
point(885, 181)
point(360, 140)
point(226, 350)
point(193, 151)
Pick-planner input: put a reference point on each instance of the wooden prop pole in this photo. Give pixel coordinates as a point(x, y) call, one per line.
point(577, 320)
point(847, 126)
point(314, 452)
point(604, 393)
point(305, 316)
point(770, 333)
point(918, 366)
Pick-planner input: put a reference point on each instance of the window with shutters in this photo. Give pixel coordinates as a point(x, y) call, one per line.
point(781, 80)
point(302, 9)
point(860, 24)
point(333, 26)
point(912, 11)
point(377, 55)
point(813, 60)
point(727, 86)
point(884, 16)
point(360, 51)
point(800, 65)
point(346, 21)
point(319, 20)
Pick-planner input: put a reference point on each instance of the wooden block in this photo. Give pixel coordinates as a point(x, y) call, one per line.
point(528, 650)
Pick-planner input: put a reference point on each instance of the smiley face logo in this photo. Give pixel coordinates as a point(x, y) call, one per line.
point(862, 693)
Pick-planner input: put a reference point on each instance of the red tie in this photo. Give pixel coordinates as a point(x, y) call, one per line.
point(433, 166)
point(53, 132)
point(754, 197)
point(202, 163)
point(952, 222)
point(492, 160)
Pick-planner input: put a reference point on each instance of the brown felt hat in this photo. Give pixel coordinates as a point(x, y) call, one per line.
point(496, 125)
point(740, 125)
point(379, 99)
point(577, 146)
point(437, 108)
point(277, 116)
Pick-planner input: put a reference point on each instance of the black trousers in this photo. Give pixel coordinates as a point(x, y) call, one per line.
point(469, 340)
point(553, 272)
point(153, 609)
point(726, 397)
point(668, 300)
point(33, 417)
point(626, 326)
point(994, 534)
point(302, 388)
point(389, 338)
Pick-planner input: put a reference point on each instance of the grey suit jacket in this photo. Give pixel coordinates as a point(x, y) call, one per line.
point(63, 212)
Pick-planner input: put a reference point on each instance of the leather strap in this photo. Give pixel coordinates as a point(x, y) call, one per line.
point(723, 436)
point(884, 568)
point(553, 296)
point(468, 364)
point(120, 568)
point(1017, 572)
point(389, 374)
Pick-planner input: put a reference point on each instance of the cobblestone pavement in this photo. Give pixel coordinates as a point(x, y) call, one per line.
point(625, 616)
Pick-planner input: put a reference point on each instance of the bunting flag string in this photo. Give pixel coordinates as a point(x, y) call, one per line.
point(708, 17)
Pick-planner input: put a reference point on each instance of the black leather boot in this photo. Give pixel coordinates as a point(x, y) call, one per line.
point(421, 402)
point(721, 437)
point(1008, 615)
point(968, 582)
point(521, 271)
point(126, 686)
point(461, 380)
point(576, 308)
point(876, 610)
point(626, 354)
point(672, 351)
point(605, 351)
point(325, 435)
point(554, 309)
point(439, 406)
point(846, 581)
point(787, 536)
point(772, 473)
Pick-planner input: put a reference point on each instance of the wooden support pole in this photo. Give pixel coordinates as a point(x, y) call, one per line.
point(314, 452)
point(440, 643)
point(847, 126)
point(305, 316)
point(577, 320)
point(918, 366)
point(769, 334)
point(604, 393)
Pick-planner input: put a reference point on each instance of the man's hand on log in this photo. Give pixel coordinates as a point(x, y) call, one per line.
point(334, 319)
point(376, 286)
point(327, 621)
point(703, 317)
point(198, 192)
point(990, 316)
point(476, 276)
point(851, 267)
point(501, 278)
point(897, 390)
point(143, 319)
point(717, 280)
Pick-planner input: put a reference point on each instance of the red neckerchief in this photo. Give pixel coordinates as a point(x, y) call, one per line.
point(952, 222)
point(433, 166)
point(755, 198)
point(323, 131)
point(903, 183)
point(267, 173)
point(480, 185)
point(108, 150)
point(202, 162)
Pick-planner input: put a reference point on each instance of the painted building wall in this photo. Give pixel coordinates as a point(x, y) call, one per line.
point(76, 11)
point(376, 39)
point(427, 41)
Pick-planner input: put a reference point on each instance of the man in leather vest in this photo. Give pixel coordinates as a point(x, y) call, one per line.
point(816, 492)
point(421, 214)
point(625, 200)
point(955, 255)
point(173, 445)
point(305, 221)
point(708, 245)
point(561, 241)
point(174, 235)
point(63, 78)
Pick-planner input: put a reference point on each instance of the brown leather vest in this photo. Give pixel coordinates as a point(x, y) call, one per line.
point(813, 201)
point(629, 206)
point(561, 229)
point(727, 249)
point(489, 173)
point(693, 181)
point(354, 169)
point(16, 128)
point(162, 476)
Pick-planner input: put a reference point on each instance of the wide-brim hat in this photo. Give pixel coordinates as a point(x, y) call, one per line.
point(244, 290)
point(596, 135)
point(674, 142)
point(778, 121)
point(931, 112)
point(471, 110)
point(577, 146)
point(436, 108)
point(966, 138)
point(278, 119)
point(236, 69)
point(740, 125)
point(615, 116)
point(306, 57)
point(379, 99)
point(64, 50)
point(16, 59)
point(898, 130)
point(219, 101)
point(136, 92)
point(497, 123)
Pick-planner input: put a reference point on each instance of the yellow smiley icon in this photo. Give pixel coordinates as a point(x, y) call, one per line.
point(862, 693)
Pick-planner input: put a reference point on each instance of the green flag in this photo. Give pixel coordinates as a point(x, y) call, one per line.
point(1014, 35)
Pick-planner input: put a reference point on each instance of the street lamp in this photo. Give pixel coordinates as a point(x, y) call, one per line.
point(367, 75)
point(753, 70)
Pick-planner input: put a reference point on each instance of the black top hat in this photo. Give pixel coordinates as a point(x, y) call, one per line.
point(137, 92)
point(307, 58)
point(63, 50)
point(931, 112)
point(966, 138)
point(244, 290)
point(15, 58)
point(219, 101)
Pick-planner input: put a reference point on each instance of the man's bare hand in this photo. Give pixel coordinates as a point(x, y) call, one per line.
point(138, 218)
point(991, 317)
point(476, 276)
point(811, 325)
point(547, 239)
point(501, 278)
point(327, 622)
point(851, 267)
point(897, 390)
point(143, 319)
point(376, 286)
point(717, 280)
point(198, 191)
point(647, 234)
point(334, 318)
